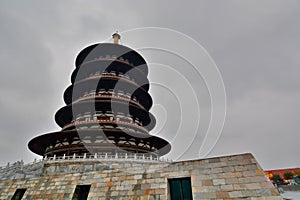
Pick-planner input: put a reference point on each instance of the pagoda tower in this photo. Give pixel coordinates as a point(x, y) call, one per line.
point(107, 107)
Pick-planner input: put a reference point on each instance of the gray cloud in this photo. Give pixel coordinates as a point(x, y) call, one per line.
point(254, 43)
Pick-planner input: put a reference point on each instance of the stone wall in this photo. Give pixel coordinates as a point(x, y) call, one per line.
point(229, 177)
point(18, 170)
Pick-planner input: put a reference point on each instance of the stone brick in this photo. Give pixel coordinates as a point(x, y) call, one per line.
point(236, 174)
point(110, 183)
point(222, 195)
point(249, 193)
point(252, 186)
point(235, 194)
point(205, 195)
point(231, 180)
point(226, 187)
point(249, 173)
point(240, 168)
point(239, 186)
point(207, 182)
point(136, 177)
point(228, 169)
point(214, 160)
point(217, 170)
point(252, 167)
point(154, 186)
point(219, 181)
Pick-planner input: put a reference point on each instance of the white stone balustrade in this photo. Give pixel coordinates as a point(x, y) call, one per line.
point(107, 157)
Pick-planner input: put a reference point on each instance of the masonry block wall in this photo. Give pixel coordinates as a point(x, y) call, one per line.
point(229, 177)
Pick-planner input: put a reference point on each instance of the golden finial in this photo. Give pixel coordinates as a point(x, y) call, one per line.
point(116, 36)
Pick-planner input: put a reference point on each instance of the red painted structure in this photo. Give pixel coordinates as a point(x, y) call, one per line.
point(281, 172)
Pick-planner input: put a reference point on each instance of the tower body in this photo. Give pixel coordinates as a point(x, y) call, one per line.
point(107, 107)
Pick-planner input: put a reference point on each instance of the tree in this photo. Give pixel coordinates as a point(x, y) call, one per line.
point(276, 177)
point(288, 175)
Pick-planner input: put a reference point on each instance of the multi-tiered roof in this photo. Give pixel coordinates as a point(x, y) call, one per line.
point(107, 107)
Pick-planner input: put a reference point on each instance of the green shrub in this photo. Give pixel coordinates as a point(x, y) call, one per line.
point(288, 175)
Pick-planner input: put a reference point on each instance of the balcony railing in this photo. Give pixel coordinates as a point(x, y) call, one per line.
point(109, 58)
point(91, 96)
point(107, 157)
point(82, 122)
point(110, 75)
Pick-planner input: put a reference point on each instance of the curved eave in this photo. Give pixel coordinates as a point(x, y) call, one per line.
point(39, 144)
point(116, 124)
point(65, 115)
point(114, 78)
point(102, 49)
point(111, 98)
point(107, 66)
point(92, 84)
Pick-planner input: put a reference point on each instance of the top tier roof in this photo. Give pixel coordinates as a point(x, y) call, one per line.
point(102, 49)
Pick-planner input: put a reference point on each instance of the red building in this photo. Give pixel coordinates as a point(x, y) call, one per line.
point(281, 172)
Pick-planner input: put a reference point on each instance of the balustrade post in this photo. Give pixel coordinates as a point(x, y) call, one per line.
point(74, 155)
point(64, 156)
point(135, 156)
point(84, 155)
point(106, 155)
point(95, 156)
point(150, 157)
point(54, 157)
point(116, 156)
point(125, 155)
point(21, 164)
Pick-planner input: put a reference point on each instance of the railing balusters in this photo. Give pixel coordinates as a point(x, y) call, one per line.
point(118, 157)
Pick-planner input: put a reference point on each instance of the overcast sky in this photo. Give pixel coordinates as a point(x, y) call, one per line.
point(255, 44)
